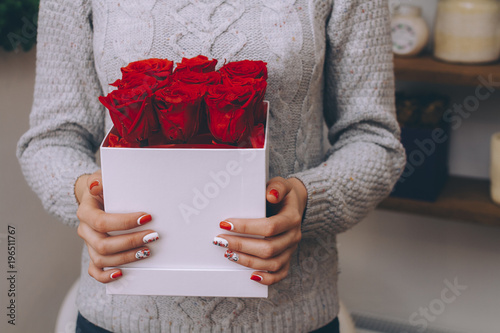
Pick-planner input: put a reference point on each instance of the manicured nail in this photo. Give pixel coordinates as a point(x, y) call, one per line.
point(274, 193)
point(144, 219)
point(94, 184)
point(116, 275)
point(256, 277)
point(144, 253)
point(231, 255)
point(226, 225)
point(150, 237)
point(220, 242)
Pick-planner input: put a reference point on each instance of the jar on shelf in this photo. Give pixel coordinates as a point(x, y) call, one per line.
point(467, 31)
point(410, 33)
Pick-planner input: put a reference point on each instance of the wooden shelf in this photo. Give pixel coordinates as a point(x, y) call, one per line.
point(427, 69)
point(463, 199)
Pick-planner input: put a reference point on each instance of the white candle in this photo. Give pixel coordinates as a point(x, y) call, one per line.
point(495, 168)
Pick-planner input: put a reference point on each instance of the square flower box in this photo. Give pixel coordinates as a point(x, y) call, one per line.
point(188, 191)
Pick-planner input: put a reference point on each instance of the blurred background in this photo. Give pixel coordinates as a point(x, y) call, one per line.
point(395, 266)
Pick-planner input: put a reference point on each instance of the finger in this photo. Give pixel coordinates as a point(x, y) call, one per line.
point(94, 183)
point(262, 248)
point(288, 218)
point(90, 211)
point(268, 279)
point(276, 189)
point(106, 245)
point(118, 259)
point(272, 265)
point(103, 276)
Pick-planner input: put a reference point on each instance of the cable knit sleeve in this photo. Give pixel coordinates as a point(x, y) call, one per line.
point(366, 157)
point(66, 121)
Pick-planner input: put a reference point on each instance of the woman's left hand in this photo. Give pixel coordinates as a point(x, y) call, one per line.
point(287, 200)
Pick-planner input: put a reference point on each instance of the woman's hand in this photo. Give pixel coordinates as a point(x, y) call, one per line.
point(287, 201)
point(106, 250)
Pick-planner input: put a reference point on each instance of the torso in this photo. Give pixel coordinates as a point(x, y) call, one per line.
point(288, 35)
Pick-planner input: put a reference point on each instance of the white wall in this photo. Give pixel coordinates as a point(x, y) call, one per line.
point(393, 264)
point(47, 253)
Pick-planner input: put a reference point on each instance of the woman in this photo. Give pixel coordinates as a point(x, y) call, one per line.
point(328, 61)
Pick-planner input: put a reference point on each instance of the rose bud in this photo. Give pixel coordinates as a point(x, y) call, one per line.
point(160, 69)
point(258, 136)
point(199, 64)
point(131, 112)
point(245, 69)
point(178, 110)
point(230, 111)
point(134, 80)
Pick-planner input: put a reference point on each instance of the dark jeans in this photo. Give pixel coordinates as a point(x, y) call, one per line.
point(85, 326)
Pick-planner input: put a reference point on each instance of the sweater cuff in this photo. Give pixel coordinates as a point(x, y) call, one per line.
point(319, 195)
point(68, 204)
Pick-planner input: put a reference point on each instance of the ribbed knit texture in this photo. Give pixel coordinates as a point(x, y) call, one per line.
point(328, 60)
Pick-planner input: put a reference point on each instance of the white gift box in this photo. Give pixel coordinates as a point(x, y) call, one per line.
point(188, 192)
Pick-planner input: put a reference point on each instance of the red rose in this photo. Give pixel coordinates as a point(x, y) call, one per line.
point(131, 112)
point(116, 141)
point(258, 136)
point(199, 64)
point(178, 109)
point(190, 77)
point(245, 69)
point(230, 111)
point(259, 86)
point(160, 69)
point(134, 80)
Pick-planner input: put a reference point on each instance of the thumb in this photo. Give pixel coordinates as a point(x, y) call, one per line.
point(277, 189)
point(94, 184)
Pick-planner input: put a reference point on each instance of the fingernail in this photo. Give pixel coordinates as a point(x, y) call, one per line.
point(274, 193)
point(94, 184)
point(231, 255)
point(256, 277)
point(226, 225)
point(150, 237)
point(220, 242)
point(144, 253)
point(116, 275)
point(144, 219)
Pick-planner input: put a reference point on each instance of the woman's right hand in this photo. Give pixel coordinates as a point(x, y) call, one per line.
point(106, 250)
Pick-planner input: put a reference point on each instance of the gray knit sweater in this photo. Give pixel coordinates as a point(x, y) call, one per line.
point(329, 62)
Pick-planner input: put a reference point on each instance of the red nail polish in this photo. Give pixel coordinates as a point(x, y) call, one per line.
point(116, 275)
point(274, 193)
point(144, 219)
point(226, 225)
point(94, 184)
point(256, 277)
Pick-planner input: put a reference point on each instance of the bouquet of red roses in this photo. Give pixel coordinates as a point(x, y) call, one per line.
point(157, 106)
